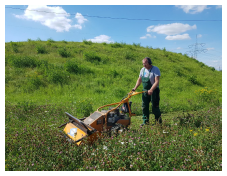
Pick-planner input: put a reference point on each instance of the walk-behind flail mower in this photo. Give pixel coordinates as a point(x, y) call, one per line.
point(113, 120)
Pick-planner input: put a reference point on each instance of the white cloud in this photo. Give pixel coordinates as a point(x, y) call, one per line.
point(53, 17)
point(80, 20)
point(199, 35)
point(171, 29)
point(178, 48)
point(101, 39)
point(192, 9)
point(218, 6)
point(210, 49)
point(178, 37)
point(147, 36)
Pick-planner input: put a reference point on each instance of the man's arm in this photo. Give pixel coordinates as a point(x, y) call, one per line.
point(156, 83)
point(139, 81)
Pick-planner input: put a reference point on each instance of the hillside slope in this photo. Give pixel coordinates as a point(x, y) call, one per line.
point(48, 72)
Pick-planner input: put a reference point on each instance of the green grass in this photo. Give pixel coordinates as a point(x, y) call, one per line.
point(44, 79)
point(185, 141)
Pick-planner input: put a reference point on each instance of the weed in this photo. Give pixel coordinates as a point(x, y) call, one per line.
point(84, 107)
point(136, 44)
point(87, 42)
point(193, 79)
point(50, 40)
point(116, 45)
point(20, 61)
point(92, 57)
point(58, 76)
point(38, 39)
point(72, 67)
point(64, 53)
point(14, 46)
point(41, 49)
point(129, 55)
point(34, 82)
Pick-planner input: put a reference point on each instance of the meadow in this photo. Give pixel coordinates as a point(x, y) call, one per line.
point(44, 79)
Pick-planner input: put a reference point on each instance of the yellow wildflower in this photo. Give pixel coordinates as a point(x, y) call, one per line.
point(190, 130)
point(195, 134)
point(207, 130)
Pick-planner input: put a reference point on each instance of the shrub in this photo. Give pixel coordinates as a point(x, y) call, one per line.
point(136, 45)
point(33, 83)
point(38, 39)
point(116, 45)
point(57, 76)
point(41, 49)
point(51, 40)
point(23, 62)
point(212, 68)
point(14, 46)
point(129, 55)
point(113, 73)
point(92, 57)
point(87, 42)
point(64, 53)
point(71, 67)
point(193, 79)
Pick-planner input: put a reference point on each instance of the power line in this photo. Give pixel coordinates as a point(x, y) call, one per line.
point(113, 18)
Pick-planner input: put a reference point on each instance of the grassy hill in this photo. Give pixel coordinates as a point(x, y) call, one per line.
point(44, 79)
point(47, 72)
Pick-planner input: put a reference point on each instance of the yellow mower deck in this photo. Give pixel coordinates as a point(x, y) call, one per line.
point(90, 128)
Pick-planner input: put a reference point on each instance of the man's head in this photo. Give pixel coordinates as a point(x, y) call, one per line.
point(147, 62)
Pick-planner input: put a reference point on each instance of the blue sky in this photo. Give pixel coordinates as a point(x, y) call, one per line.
point(175, 27)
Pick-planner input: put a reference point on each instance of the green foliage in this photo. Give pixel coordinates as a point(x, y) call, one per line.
point(208, 95)
point(34, 82)
point(113, 73)
point(23, 61)
point(50, 40)
point(38, 39)
point(87, 42)
point(72, 67)
point(129, 55)
point(193, 79)
point(84, 107)
point(136, 44)
point(172, 147)
point(64, 53)
point(39, 89)
point(14, 46)
point(41, 49)
point(212, 68)
point(92, 57)
point(116, 45)
point(58, 76)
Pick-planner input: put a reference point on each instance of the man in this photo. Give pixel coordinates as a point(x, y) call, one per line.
point(149, 76)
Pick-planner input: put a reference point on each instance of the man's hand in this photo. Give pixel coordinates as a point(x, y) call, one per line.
point(150, 92)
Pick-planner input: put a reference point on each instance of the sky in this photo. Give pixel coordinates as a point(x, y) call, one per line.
point(195, 30)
